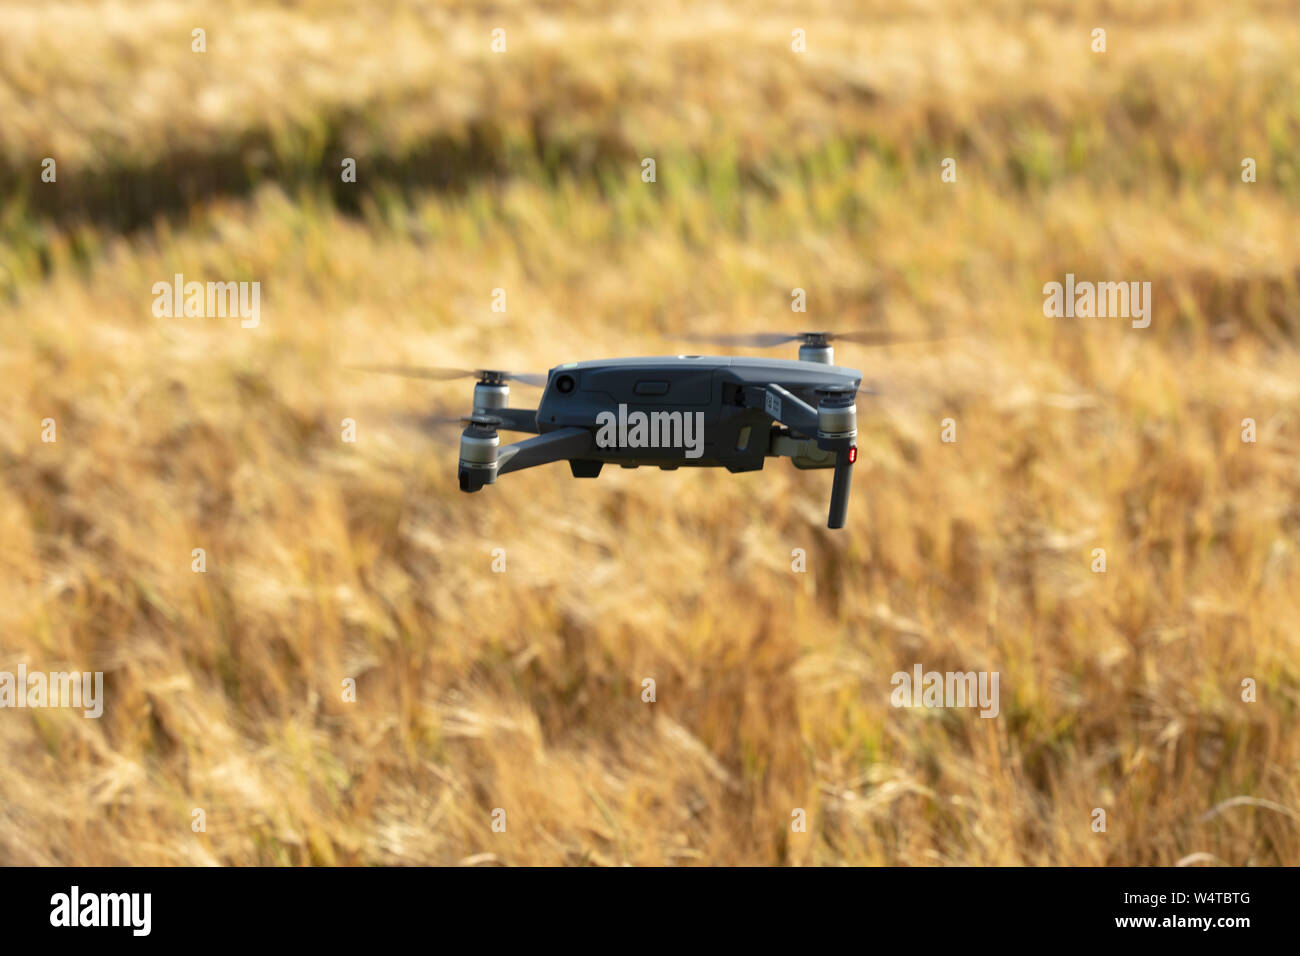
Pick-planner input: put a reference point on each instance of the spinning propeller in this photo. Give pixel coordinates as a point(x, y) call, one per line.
point(813, 346)
point(485, 376)
point(765, 340)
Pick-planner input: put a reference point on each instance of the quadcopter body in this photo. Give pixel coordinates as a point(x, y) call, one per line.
point(672, 411)
point(669, 412)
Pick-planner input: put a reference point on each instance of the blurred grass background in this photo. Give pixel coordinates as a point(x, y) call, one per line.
point(776, 170)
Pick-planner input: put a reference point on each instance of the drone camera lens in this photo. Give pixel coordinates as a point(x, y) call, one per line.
point(565, 384)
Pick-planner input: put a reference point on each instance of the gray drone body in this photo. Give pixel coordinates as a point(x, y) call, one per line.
point(670, 412)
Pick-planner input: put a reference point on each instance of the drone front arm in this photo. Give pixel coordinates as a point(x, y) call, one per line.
point(559, 445)
point(482, 458)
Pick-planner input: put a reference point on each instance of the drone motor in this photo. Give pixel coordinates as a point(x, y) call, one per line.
point(489, 396)
point(814, 347)
point(837, 414)
point(479, 448)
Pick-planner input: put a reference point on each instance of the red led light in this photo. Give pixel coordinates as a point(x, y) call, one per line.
point(853, 454)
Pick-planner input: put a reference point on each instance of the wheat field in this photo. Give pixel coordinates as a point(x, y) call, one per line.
point(521, 690)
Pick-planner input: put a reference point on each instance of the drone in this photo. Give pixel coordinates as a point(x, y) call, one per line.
point(671, 411)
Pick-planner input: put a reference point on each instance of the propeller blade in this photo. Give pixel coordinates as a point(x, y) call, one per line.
point(416, 371)
point(445, 429)
point(446, 374)
point(535, 379)
point(880, 337)
point(762, 340)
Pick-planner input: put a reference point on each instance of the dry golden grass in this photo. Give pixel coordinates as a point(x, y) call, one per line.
point(521, 690)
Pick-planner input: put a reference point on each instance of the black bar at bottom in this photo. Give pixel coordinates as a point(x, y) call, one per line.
point(917, 906)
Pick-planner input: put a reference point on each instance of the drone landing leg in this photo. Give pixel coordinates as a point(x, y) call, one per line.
point(840, 490)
